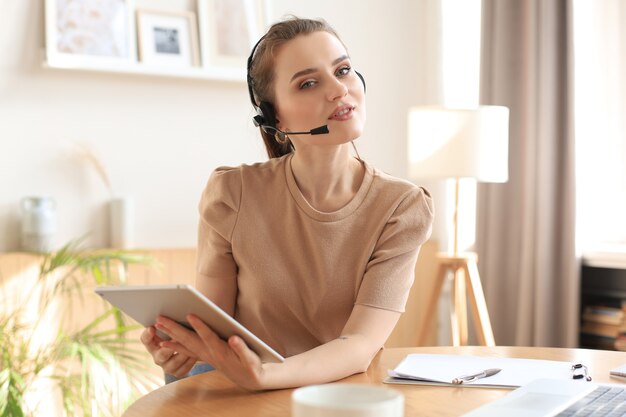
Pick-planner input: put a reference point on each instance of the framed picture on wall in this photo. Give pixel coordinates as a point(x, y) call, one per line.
point(228, 31)
point(82, 32)
point(167, 39)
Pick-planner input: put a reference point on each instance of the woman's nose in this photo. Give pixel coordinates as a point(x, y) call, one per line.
point(337, 90)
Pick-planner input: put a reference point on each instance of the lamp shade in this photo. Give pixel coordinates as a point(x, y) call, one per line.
point(459, 143)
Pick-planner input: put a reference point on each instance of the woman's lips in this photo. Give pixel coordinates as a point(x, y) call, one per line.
point(343, 113)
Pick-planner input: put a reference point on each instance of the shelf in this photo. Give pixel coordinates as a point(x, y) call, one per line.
point(126, 42)
point(607, 293)
point(603, 283)
point(106, 66)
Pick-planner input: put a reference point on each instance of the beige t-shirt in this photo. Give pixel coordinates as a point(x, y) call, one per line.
point(300, 271)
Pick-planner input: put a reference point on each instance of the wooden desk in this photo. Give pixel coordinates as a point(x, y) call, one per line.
point(212, 394)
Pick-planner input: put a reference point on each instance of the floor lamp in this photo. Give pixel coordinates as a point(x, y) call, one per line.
point(447, 143)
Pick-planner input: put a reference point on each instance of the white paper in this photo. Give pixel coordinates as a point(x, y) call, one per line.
point(514, 372)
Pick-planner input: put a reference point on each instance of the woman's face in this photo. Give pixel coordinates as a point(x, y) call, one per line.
point(315, 85)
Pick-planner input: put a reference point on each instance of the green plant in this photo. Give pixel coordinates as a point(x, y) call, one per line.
point(95, 369)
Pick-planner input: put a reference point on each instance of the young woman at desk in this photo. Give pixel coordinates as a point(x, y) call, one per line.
point(314, 250)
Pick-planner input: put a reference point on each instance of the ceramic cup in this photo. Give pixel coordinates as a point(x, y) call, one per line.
point(346, 400)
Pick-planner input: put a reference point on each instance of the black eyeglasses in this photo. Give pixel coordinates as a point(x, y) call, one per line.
point(580, 371)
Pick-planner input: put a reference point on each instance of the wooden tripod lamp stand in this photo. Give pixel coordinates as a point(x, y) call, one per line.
point(447, 143)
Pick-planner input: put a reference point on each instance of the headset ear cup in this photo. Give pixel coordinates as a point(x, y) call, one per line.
point(269, 114)
point(362, 80)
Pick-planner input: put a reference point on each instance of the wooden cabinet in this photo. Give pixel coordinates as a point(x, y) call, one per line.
point(406, 331)
point(179, 265)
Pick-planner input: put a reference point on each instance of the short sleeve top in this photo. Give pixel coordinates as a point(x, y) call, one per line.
point(300, 271)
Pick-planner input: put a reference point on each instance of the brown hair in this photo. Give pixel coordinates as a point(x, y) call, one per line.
point(261, 69)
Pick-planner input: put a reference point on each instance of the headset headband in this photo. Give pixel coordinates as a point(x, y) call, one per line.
point(249, 77)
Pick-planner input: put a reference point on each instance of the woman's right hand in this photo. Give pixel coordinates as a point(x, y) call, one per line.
point(172, 362)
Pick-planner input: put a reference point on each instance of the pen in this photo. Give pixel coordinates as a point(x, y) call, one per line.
point(473, 377)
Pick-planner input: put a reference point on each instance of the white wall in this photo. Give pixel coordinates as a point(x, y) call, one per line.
point(160, 138)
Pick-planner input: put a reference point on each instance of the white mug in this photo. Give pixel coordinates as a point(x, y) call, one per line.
point(346, 400)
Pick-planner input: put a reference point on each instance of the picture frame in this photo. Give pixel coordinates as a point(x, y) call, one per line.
point(90, 32)
point(167, 39)
point(228, 31)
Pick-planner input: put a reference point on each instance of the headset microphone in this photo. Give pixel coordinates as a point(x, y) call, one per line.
point(319, 130)
point(259, 122)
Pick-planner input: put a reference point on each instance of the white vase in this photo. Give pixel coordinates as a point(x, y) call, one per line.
point(122, 222)
point(39, 224)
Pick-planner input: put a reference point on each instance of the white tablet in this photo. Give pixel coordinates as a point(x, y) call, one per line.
point(145, 302)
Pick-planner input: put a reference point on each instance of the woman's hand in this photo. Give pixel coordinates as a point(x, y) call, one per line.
point(172, 361)
point(240, 364)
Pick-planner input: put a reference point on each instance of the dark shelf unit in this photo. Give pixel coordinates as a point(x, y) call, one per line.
point(601, 286)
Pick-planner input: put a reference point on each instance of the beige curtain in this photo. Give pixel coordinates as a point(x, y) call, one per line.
point(525, 228)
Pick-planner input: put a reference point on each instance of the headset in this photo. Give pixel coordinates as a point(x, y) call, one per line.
point(266, 114)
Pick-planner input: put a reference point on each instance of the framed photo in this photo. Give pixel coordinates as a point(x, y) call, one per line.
point(167, 39)
point(228, 31)
point(80, 32)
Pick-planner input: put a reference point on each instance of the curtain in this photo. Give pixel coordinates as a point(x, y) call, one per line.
point(525, 236)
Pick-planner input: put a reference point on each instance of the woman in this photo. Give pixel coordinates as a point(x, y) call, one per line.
point(313, 250)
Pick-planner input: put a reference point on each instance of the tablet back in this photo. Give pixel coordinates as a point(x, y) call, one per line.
point(144, 303)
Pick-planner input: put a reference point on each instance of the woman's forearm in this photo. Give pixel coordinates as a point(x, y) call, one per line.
point(331, 361)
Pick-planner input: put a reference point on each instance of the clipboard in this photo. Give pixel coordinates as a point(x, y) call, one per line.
point(440, 370)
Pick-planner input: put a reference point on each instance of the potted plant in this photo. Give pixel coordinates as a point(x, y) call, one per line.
point(96, 368)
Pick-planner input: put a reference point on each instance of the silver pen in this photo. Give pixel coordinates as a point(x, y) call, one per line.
point(473, 377)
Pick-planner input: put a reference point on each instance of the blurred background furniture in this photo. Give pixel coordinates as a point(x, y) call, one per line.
point(447, 143)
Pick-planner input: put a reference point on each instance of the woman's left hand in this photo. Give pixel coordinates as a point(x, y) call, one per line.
point(240, 364)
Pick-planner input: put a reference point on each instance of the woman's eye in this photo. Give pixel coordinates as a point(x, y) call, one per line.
point(307, 84)
point(343, 71)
